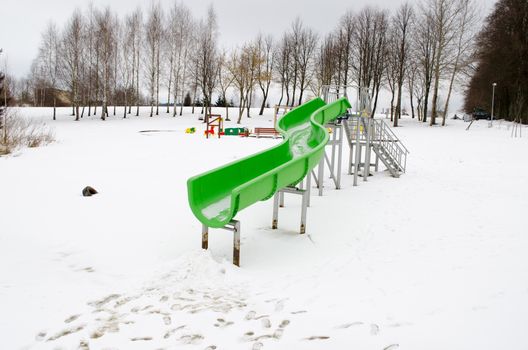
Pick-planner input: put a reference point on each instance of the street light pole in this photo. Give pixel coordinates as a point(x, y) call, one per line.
point(492, 103)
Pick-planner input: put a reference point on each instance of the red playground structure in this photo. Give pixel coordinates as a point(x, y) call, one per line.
point(214, 121)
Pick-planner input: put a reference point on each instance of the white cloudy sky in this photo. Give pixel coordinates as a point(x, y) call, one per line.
point(240, 20)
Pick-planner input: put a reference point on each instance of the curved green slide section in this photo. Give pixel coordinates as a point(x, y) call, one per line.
point(216, 196)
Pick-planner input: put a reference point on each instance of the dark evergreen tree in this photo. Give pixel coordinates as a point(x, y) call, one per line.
point(501, 59)
point(187, 101)
point(220, 102)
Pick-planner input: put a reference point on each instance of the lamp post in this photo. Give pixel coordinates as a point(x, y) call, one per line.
point(492, 103)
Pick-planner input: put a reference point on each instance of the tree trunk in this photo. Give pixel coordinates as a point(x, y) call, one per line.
point(265, 97)
point(282, 93)
point(412, 102)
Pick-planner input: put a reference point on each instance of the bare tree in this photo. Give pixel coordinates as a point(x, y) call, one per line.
point(136, 23)
point(265, 67)
point(343, 48)
point(153, 34)
point(282, 66)
point(225, 80)
point(207, 57)
point(72, 52)
point(370, 49)
point(443, 14)
point(106, 43)
point(401, 27)
point(424, 51)
point(305, 55)
point(391, 64)
point(325, 67)
point(49, 58)
point(465, 38)
point(240, 68)
point(180, 36)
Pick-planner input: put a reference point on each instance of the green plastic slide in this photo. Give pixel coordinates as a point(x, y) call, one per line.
point(216, 196)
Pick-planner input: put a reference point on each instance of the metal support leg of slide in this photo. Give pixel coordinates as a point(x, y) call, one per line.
point(233, 226)
point(305, 199)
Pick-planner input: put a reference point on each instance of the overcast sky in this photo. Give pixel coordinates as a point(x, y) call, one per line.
point(22, 21)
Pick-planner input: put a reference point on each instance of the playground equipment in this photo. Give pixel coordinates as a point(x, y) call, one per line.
point(214, 121)
point(289, 167)
point(190, 130)
point(215, 197)
point(236, 132)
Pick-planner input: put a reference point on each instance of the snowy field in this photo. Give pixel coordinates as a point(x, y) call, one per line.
point(434, 260)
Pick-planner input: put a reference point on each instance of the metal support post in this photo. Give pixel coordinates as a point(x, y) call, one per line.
point(320, 175)
point(366, 165)
point(236, 242)
point(304, 209)
point(308, 186)
point(339, 157)
point(205, 237)
point(358, 152)
point(234, 226)
point(275, 219)
point(334, 143)
point(351, 158)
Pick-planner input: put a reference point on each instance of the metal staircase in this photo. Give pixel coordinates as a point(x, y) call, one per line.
point(367, 136)
point(377, 136)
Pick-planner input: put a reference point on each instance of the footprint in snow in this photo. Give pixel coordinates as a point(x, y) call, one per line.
point(348, 325)
point(374, 329)
point(66, 331)
point(284, 323)
point(279, 306)
point(257, 346)
point(83, 345)
point(248, 336)
point(172, 331)
point(103, 301)
point(167, 320)
point(391, 347)
point(191, 338)
point(298, 312)
point(250, 315)
point(141, 339)
point(71, 318)
point(40, 336)
point(266, 323)
point(278, 333)
point(317, 337)
point(223, 323)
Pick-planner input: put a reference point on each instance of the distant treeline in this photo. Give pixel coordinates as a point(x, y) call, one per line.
point(98, 59)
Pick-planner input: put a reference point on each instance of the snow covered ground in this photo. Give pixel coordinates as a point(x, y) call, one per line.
point(433, 260)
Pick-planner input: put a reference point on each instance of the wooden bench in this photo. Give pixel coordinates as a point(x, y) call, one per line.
point(258, 132)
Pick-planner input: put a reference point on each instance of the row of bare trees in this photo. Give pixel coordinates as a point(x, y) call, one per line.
point(423, 50)
point(418, 51)
point(101, 60)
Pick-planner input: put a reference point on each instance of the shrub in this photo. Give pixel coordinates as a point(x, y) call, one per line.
point(17, 132)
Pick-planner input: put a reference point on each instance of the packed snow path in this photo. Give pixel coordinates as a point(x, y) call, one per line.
point(435, 259)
